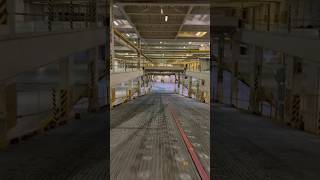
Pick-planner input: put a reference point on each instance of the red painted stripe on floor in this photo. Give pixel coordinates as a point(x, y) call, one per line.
point(203, 174)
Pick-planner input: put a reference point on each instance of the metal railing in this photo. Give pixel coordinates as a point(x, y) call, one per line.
point(54, 19)
point(125, 67)
point(305, 28)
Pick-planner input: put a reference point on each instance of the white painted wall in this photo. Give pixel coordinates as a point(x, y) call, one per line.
point(27, 52)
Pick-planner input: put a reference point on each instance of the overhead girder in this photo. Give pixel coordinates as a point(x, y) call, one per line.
point(117, 33)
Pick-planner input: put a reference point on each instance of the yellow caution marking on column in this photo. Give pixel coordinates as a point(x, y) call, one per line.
point(55, 109)
point(296, 117)
point(3, 12)
point(63, 102)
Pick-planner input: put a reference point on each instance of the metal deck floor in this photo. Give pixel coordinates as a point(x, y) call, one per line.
point(146, 143)
point(76, 151)
point(250, 147)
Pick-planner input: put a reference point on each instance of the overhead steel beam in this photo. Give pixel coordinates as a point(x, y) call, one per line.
point(129, 20)
point(154, 14)
point(178, 50)
point(168, 3)
point(194, 3)
point(117, 33)
point(177, 40)
point(184, 20)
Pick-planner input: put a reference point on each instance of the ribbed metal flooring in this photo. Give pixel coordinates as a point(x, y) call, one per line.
point(146, 143)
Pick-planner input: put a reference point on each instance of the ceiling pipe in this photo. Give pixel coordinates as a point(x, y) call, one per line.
point(117, 33)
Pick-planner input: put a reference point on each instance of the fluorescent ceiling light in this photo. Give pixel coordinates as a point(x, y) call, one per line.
point(116, 23)
point(123, 24)
point(191, 34)
point(200, 34)
point(161, 11)
point(166, 18)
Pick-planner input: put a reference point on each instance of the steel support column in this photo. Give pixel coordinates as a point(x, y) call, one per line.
point(108, 50)
point(66, 85)
point(183, 85)
point(235, 70)
point(253, 18)
point(139, 86)
point(294, 98)
point(113, 96)
point(139, 54)
point(198, 90)
point(281, 79)
point(8, 110)
point(256, 81)
point(144, 78)
point(219, 88)
point(190, 87)
point(130, 90)
point(93, 81)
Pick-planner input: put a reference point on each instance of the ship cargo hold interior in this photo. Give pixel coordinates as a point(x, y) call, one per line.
point(159, 89)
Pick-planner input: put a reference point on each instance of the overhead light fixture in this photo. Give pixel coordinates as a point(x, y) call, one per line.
point(184, 47)
point(166, 17)
point(128, 35)
point(200, 34)
point(116, 23)
point(201, 45)
point(160, 42)
point(161, 11)
point(191, 34)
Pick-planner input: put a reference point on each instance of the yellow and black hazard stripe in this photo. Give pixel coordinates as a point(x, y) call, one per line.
point(63, 102)
point(55, 109)
point(296, 117)
point(3, 12)
point(50, 14)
